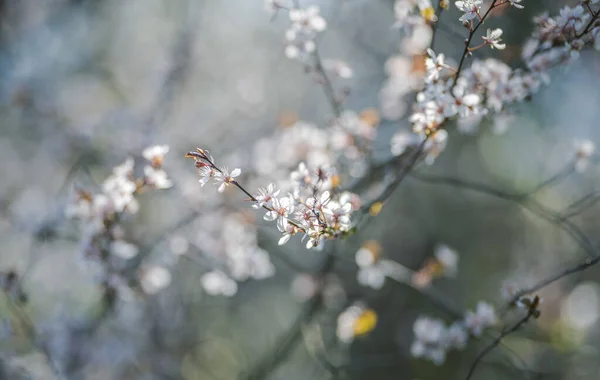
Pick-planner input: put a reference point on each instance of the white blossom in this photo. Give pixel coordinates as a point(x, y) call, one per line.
point(493, 38)
point(470, 8)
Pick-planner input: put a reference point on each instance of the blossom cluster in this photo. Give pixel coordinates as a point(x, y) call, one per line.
point(433, 339)
point(300, 37)
point(308, 207)
point(558, 40)
point(101, 215)
point(488, 85)
point(228, 241)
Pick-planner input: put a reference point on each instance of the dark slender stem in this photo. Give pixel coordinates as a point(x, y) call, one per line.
point(434, 27)
point(470, 37)
point(590, 24)
point(389, 190)
point(547, 281)
point(288, 340)
point(562, 174)
point(327, 85)
point(496, 342)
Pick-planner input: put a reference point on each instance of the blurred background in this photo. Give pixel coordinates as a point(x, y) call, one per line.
point(85, 84)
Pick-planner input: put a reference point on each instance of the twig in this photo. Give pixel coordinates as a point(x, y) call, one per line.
point(327, 85)
point(288, 340)
point(470, 37)
point(497, 341)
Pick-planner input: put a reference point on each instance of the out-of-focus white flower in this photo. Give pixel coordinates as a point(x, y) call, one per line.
point(456, 336)
point(493, 38)
point(483, 317)
point(338, 68)
point(372, 276)
point(226, 178)
point(448, 258)
point(516, 3)
point(435, 146)
point(430, 339)
point(470, 8)
point(402, 140)
point(572, 18)
point(155, 154)
point(585, 151)
point(218, 283)
point(306, 23)
point(355, 321)
point(305, 286)
point(123, 249)
point(157, 178)
point(154, 279)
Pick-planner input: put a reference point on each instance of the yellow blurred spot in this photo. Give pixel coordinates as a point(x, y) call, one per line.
point(335, 181)
point(370, 116)
point(376, 209)
point(287, 119)
point(373, 247)
point(429, 14)
point(444, 4)
point(365, 323)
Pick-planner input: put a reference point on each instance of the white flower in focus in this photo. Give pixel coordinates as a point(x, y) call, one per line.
point(206, 173)
point(123, 249)
point(470, 7)
point(585, 151)
point(155, 154)
point(482, 318)
point(154, 279)
point(226, 178)
point(448, 258)
point(493, 38)
point(157, 178)
point(265, 196)
point(434, 64)
point(281, 208)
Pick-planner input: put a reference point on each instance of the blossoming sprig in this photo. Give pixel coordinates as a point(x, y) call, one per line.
point(309, 207)
point(208, 170)
point(101, 214)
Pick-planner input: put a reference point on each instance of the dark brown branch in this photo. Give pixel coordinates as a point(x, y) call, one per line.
point(497, 341)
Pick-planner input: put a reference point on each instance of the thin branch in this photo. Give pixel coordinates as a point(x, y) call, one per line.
point(470, 37)
point(288, 340)
point(497, 341)
point(327, 85)
point(529, 204)
point(434, 27)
